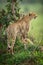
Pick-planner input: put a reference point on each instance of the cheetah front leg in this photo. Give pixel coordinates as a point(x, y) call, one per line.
point(28, 40)
point(25, 40)
point(25, 43)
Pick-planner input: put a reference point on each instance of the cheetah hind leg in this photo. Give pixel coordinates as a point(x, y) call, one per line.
point(8, 47)
point(12, 47)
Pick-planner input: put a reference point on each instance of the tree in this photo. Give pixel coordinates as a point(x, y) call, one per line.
point(11, 14)
point(14, 9)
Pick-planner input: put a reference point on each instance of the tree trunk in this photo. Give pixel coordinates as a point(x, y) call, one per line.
point(12, 7)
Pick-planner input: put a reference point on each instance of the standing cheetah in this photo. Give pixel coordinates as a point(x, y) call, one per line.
point(20, 28)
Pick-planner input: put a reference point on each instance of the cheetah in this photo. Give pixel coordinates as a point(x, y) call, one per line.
point(19, 28)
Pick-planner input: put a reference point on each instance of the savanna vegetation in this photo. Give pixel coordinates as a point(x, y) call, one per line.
point(34, 53)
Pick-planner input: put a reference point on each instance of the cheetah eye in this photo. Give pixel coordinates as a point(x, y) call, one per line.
point(30, 14)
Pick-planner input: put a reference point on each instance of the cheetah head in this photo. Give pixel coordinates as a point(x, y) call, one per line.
point(32, 15)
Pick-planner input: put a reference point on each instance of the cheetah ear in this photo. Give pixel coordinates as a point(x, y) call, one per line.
point(30, 14)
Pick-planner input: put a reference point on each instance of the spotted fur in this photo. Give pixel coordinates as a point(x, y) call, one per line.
point(20, 28)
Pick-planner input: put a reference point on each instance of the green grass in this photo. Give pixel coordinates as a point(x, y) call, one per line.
point(22, 55)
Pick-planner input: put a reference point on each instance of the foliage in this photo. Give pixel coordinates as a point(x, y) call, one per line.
point(20, 56)
point(6, 16)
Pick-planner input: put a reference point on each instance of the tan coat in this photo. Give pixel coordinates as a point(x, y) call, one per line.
point(20, 28)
